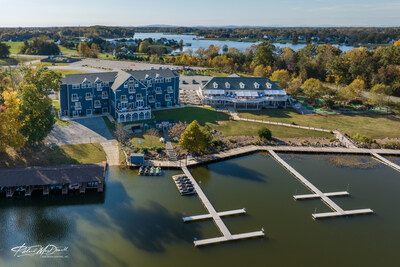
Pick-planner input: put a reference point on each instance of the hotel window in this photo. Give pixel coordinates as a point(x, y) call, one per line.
point(74, 97)
point(167, 97)
point(139, 97)
point(78, 105)
point(126, 84)
point(158, 105)
point(97, 104)
point(158, 90)
point(119, 105)
point(136, 84)
point(104, 95)
point(269, 85)
point(106, 84)
point(131, 105)
point(123, 98)
point(227, 85)
point(170, 90)
point(215, 85)
point(168, 80)
point(88, 96)
point(151, 99)
point(131, 89)
point(256, 85)
point(76, 86)
point(241, 85)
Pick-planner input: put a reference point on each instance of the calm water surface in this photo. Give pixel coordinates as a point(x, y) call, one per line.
point(137, 221)
point(196, 44)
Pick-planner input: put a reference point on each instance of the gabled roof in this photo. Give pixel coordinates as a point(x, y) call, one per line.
point(235, 82)
point(122, 76)
point(141, 74)
point(79, 78)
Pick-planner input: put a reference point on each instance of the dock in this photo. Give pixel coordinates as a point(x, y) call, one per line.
point(209, 216)
point(385, 161)
point(226, 234)
point(337, 211)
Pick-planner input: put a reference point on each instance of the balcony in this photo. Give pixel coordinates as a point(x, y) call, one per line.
point(152, 100)
point(74, 99)
point(99, 88)
point(132, 91)
point(139, 98)
point(89, 98)
point(78, 107)
point(104, 97)
point(97, 105)
point(170, 91)
point(168, 98)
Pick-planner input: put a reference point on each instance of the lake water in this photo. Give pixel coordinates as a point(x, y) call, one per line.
point(196, 44)
point(138, 220)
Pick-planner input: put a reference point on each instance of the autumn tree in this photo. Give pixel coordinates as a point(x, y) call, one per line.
point(10, 123)
point(36, 106)
point(84, 50)
point(353, 91)
point(144, 46)
point(194, 139)
point(282, 77)
point(95, 50)
point(264, 54)
point(294, 87)
point(381, 94)
point(313, 88)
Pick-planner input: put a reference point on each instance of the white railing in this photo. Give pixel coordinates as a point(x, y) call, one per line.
point(74, 99)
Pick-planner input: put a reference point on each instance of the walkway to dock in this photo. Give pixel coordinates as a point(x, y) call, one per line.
point(227, 236)
point(385, 161)
point(338, 211)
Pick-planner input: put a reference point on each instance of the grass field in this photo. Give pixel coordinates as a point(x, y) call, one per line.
point(67, 51)
point(66, 72)
point(373, 125)
point(220, 121)
point(147, 140)
point(15, 60)
point(58, 155)
point(14, 47)
point(56, 105)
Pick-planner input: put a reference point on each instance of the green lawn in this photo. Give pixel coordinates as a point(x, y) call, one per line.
point(15, 60)
point(67, 51)
point(57, 155)
point(220, 121)
point(66, 72)
point(14, 46)
point(56, 105)
point(373, 125)
point(237, 128)
point(189, 114)
point(147, 140)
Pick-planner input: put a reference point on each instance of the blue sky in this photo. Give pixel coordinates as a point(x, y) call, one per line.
point(205, 12)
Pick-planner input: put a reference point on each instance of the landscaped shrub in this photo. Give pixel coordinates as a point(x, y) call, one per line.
point(265, 133)
point(363, 139)
point(392, 145)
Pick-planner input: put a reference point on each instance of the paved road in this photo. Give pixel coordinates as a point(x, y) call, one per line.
point(93, 65)
point(88, 130)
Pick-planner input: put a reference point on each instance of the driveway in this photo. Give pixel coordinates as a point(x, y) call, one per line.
point(80, 131)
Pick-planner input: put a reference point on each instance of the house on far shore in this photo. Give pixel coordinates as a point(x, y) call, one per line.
point(125, 95)
point(245, 93)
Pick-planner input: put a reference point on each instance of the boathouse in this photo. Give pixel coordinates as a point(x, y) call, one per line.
point(28, 179)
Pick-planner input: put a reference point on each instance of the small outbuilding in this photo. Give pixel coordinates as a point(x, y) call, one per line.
point(164, 124)
point(137, 159)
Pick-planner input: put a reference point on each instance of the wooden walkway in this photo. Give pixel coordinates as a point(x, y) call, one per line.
point(209, 216)
point(227, 236)
point(338, 211)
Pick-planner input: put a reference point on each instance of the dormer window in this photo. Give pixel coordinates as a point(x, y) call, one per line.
point(269, 86)
point(256, 85)
point(126, 84)
point(241, 85)
point(227, 85)
point(215, 85)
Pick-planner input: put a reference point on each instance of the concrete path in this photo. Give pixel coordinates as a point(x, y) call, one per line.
point(112, 150)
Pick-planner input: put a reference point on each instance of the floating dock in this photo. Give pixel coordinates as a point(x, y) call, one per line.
point(337, 211)
point(178, 185)
point(216, 216)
